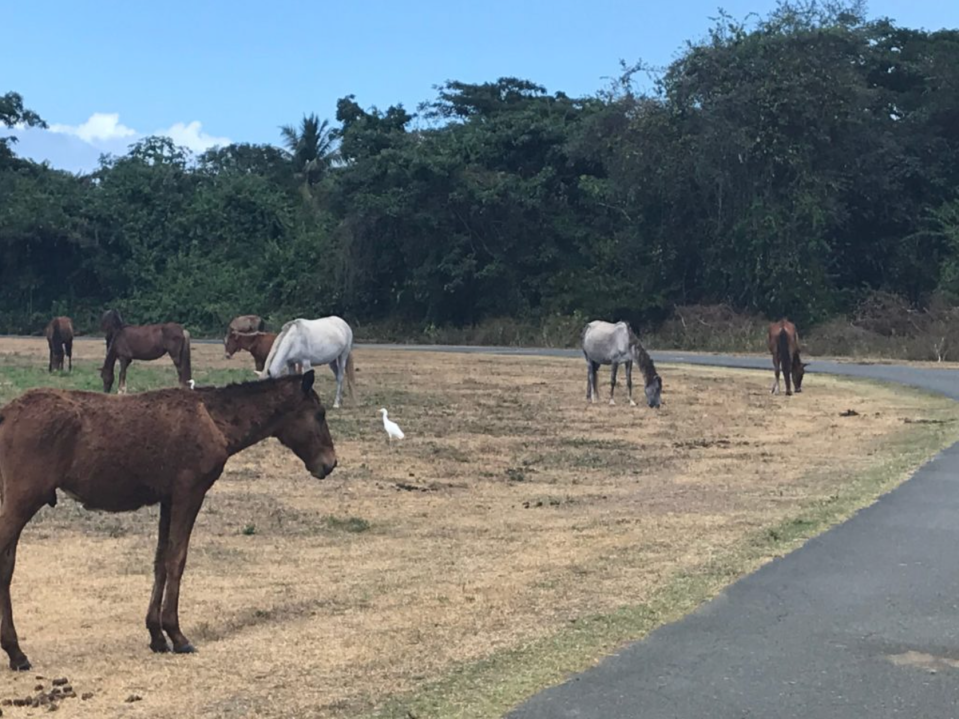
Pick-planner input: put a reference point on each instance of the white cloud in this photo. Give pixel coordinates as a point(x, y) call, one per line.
point(101, 127)
point(192, 136)
point(78, 147)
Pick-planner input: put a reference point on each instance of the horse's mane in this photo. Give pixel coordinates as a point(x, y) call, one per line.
point(235, 388)
point(642, 357)
point(276, 345)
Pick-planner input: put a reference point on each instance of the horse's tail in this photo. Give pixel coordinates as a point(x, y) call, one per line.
point(186, 372)
point(785, 357)
point(265, 373)
point(351, 377)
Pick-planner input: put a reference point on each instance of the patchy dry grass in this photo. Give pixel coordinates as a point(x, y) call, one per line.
point(516, 535)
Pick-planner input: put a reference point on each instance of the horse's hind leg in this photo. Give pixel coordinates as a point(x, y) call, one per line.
point(338, 376)
point(591, 376)
point(158, 642)
point(612, 382)
point(69, 350)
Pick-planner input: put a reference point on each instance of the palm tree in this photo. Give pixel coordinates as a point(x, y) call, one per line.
point(312, 146)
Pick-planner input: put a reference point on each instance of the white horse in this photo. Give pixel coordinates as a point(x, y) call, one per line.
point(616, 344)
point(328, 340)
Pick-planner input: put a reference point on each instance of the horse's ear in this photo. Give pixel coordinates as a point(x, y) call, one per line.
point(308, 378)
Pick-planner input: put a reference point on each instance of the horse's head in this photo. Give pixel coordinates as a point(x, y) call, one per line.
point(303, 428)
point(654, 391)
point(231, 343)
point(799, 370)
point(106, 374)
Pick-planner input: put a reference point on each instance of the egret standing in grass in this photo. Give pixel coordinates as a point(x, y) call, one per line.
point(393, 430)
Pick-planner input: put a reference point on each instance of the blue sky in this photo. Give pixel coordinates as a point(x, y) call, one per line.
point(104, 73)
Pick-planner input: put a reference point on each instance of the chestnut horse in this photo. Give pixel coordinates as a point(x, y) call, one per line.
point(783, 343)
point(257, 344)
point(118, 454)
point(244, 323)
point(59, 334)
point(143, 342)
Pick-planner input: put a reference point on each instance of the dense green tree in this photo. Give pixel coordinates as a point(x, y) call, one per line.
point(791, 164)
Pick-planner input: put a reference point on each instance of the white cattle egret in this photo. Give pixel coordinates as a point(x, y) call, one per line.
point(393, 430)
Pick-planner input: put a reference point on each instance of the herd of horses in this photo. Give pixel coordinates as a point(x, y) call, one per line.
point(119, 453)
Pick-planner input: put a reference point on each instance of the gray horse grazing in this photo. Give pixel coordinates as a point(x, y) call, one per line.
point(616, 344)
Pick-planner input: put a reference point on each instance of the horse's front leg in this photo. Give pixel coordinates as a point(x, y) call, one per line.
point(12, 523)
point(183, 513)
point(122, 387)
point(158, 642)
point(612, 382)
point(775, 387)
point(629, 382)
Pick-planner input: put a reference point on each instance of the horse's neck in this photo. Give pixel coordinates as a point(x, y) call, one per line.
point(245, 418)
point(285, 344)
point(641, 357)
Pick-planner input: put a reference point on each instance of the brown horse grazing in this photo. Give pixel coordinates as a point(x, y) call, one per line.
point(118, 454)
point(244, 323)
point(146, 342)
point(59, 334)
point(257, 344)
point(784, 344)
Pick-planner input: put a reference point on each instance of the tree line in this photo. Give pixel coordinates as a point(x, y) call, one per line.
point(787, 165)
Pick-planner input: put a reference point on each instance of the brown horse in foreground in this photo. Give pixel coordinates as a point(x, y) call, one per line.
point(118, 454)
point(784, 345)
point(59, 333)
point(143, 342)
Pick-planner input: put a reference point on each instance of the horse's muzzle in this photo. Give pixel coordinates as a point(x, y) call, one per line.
point(324, 470)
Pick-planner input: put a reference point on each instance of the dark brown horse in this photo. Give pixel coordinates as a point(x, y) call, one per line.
point(257, 344)
point(244, 323)
point(143, 342)
point(784, 345)
point(59, 334)
point(118, 454)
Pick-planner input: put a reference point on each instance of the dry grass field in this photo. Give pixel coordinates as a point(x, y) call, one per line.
point(516, 534)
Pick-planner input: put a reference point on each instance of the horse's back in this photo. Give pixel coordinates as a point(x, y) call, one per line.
point(775, 328)
point(606, 342)
point(111, 452)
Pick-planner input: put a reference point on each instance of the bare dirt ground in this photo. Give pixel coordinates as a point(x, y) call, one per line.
point(511, 509)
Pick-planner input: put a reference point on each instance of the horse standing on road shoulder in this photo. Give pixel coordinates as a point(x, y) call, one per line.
point(783, 343)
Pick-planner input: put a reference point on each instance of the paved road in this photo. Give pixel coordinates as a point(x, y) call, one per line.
point(862, 621)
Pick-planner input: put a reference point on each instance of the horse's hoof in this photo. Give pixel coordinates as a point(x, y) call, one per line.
point(21, 665)
point(612, 403)
point(159, 647)
point(185, 649)
point(631, 403)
